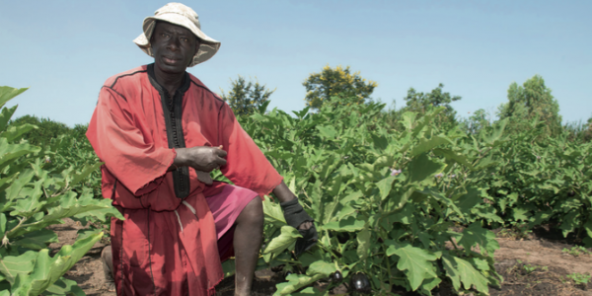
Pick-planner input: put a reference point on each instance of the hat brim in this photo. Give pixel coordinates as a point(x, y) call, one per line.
point(207, 49)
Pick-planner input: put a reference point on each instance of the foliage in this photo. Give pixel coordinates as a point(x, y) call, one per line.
point(34, 195)
point(579, 279)
point(245, 98)
point(423, 102)
point(576, 251)
point(529, 101)
point(476, 122)
point(337, 86)
point(46, 130)
point(376, 199)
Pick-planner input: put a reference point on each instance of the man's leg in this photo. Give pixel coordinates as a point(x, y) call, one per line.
point(248, 236)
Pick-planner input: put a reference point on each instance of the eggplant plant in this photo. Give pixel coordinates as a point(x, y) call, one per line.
point(33, 196)
point(377, 201)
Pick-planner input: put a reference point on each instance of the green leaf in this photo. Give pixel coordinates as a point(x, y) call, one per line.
point(350, 225)
point(426, 145)
point(5, 116)
point(10, 152)
point(476, 235)
point(14, 132)
point(2, 224)
point(64, 286)
point(415, 262)
point(385, 185)
point(461, 271)
point(449, 154)
point(11, 266)
point(328, 132)
point(273, 213)
point(7, 93)
point(364, 243)
point(48, 269)
point(36, 240)
point(86, 171)
point(285, 240)
point(228, 267)
point(321, 267)
point(296, 282)
point(421, 168)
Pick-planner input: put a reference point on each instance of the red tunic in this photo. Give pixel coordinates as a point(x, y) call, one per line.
point(167, 245)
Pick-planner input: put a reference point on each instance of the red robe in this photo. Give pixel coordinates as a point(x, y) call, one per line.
point(166, 245)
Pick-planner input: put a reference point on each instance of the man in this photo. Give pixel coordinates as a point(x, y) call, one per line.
point(160, 132)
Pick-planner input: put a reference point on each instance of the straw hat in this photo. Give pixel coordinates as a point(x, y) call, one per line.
point(181, 15)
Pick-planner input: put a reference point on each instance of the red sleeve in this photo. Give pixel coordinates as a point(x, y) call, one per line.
point(246, 165)
point(123, 143)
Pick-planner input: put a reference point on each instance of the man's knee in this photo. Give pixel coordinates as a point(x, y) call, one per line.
point(252, 213)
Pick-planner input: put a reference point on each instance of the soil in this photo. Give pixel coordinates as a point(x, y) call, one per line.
point(535, 264)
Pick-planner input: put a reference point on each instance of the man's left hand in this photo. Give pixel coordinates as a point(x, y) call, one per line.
point(308, 240)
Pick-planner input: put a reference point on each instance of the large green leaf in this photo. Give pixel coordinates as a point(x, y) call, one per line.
point(13, 133)
point(364, 243)
point(426, 145)
point(48, 270)
point(321, 267)
point(461, 271)
point(296, 282)
point(5, 116)
point(273, 213)
point(11, 266)
point(349, 224)
point(285, 240)
point(10, 152)
point(415, 262)
point(476, 235)
point(421, 168)
point(7, 93)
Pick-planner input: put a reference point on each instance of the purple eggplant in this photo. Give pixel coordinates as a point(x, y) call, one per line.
point(360, 283)
point(337, 277)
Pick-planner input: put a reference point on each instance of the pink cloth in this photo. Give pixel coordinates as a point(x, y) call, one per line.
point(225, 207)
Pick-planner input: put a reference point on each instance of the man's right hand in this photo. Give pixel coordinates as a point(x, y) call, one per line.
point(201, 158)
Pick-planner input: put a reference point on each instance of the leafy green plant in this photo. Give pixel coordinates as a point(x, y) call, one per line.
point(576, 251)
point(33, 196)
point(579, 279)
point(384, 201)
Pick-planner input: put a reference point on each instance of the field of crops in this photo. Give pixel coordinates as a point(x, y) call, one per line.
point(406, 204)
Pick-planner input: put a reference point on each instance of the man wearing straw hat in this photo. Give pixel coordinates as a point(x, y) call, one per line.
point(160, 131)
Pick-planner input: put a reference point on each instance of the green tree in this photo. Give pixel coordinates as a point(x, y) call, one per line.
point(529, 101)
point(476, 122)
point(423, 102)
point(333, 83)
point(246, 97)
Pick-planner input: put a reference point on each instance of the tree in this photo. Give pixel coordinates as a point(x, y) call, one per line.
point(529, 101)
point(245, 98)
point(337, 86)
point(422, 102)
point(476, 122)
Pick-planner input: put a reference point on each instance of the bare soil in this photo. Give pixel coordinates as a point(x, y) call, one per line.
point(533, 265)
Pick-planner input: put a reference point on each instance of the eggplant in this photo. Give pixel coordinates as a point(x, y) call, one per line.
point(360, 283)
point(337, 277)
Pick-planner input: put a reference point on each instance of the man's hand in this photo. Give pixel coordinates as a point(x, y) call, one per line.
point(298, 218)
point(201, 158)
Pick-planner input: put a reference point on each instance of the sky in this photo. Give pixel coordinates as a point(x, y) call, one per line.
point(65, 50)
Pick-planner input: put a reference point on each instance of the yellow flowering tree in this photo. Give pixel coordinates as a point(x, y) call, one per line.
point(337, 86)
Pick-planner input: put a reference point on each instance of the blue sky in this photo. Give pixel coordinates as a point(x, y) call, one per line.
point(65, 50)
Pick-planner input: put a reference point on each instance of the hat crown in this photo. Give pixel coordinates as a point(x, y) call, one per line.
point(180, 9)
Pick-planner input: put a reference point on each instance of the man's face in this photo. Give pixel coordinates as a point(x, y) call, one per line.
point(173, 47)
